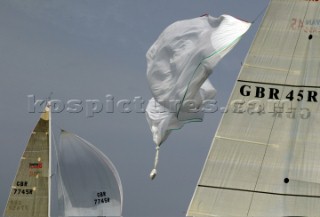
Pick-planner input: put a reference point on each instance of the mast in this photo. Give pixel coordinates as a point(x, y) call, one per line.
point(50, 159)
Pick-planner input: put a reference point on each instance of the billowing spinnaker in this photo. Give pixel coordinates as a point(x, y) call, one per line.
point(89, 184)
point(179, 63)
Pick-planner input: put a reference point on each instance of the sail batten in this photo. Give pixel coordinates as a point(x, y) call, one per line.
point(247, 141)
point(279, 84)
point(260, 192)
point(265, 155)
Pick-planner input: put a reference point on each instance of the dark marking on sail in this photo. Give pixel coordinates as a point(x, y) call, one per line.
point(22, 191)
point(278, 84)
point(101, 198)
point(37, 165)
point(261, 192)
point(22, 183)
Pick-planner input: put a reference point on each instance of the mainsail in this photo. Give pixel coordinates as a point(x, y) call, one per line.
point(29, 196)
point(89, 184)
point(265, 156)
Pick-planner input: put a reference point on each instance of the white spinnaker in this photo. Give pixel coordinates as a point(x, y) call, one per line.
point(179, 63)
point(267, 163)
point(89, 184)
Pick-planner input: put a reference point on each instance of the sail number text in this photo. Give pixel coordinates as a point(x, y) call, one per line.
point(22, 191)
point(101, 198)
point(19, 190)
point(274, 93)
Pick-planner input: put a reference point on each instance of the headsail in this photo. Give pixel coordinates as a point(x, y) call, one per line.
point(29, 196)
point(265, 157)
point(89, 184)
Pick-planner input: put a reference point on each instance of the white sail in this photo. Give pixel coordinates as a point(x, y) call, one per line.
point(265, 156)
point(89, 184)
point(179, 63)
point(29, 196)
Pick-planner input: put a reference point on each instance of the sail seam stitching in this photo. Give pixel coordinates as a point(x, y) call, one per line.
point(201, 63)
point(241, 140)
point(267, 68)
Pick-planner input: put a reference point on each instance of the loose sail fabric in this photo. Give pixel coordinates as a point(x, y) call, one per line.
point(29, 192)
point(179, 63)
point(265, 157)
point(88, 184)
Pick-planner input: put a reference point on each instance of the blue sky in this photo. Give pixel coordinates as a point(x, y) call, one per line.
point(89, 49)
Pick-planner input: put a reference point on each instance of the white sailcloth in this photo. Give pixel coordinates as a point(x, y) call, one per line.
point(265, 156)
point(89, 184)
point(179, 63)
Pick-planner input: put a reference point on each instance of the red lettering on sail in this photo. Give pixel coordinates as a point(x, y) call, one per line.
point(35, 165)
